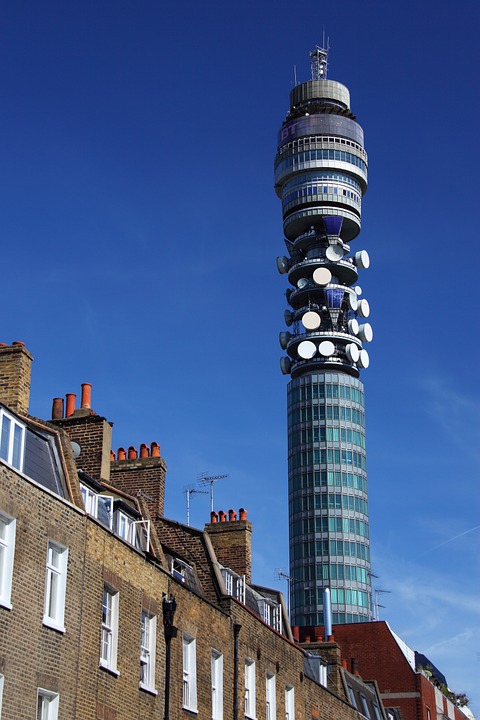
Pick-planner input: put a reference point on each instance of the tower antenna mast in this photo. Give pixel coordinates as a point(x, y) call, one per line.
point(319, 61)
point(205, 479)
point(188, 491)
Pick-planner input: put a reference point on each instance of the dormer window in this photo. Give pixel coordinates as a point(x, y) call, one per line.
point(271, 613)
point(96, 505)
point(12, 440)
point(234, 584)
point(180, 569)
point(128, 525)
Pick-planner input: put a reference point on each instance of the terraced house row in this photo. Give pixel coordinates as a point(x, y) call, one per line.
point(109, 610)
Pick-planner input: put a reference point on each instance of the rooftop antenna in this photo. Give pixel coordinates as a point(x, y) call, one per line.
point(378, 591)
point(280, 575)
point(295, 76)
point(319, 61)
point(205, 479)
point(188, 491)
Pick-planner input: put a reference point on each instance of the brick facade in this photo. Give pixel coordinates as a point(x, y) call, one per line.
point(232, 542)
point(144, 475)
point(15, 373)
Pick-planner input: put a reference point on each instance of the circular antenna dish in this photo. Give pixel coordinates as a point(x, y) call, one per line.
point(364, 360)
point(352, 352)
point(285, 365)
point(326, 348)
point(365, 332)
point(311, 320)
point(288, 317)
point(302, 283)
point(284, 339)
point(76, 449)
point(353, 327)
point(358, 289)
point(283, 265)
point(352, 301)
point(322, 276)
point(363, 308)
point(362, 259)
point(307, 349)
point(334, 252)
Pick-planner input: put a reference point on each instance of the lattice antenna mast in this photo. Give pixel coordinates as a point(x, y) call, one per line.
point(319, 62)
point(280, 575)
point(204, 479)
point(378, 592)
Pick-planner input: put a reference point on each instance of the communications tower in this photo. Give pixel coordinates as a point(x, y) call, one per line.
point(320, 177)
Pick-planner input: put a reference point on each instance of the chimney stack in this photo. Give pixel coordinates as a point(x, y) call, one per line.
point(15, 374)
point(232, 541)
point(144, 474)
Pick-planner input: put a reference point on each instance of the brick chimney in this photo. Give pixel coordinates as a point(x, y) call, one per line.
point(92, 432)
point(144, 474)
point(15, 372)
point(232, 541)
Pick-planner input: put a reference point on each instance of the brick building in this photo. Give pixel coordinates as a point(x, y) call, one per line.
point(411, 687)
point(90, 571)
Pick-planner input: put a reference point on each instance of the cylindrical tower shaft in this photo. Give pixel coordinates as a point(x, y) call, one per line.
point(320, 177)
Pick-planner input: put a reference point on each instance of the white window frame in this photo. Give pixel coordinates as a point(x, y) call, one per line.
point(271, 696)
point(109, 634)
point(47, 704)
point(55, 586)
point(89, 498)
point(250, 689)
point(189, 689)
point(217, 684)
point(1, 693)
point(234, 584)
point(7, 553)
point(289, 702)
point(148, 643)
point(13, 450)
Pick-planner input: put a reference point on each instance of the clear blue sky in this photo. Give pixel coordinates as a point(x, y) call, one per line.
point(139, 233)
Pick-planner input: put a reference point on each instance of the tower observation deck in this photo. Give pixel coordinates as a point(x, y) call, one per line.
point(320, 177)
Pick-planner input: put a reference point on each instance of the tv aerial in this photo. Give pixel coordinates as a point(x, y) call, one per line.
point(205, 480)
point(189, 491)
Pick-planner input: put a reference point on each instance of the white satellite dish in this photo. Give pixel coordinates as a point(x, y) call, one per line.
point(326, 348)
point(311, 320)
point(363, 308)
point(352, 352)
point(285, 365)
point(288, 317)
point(283, 264)
point(302, 283)
point(364, 360)
point(358, 289)
point(365, 332)
point(322, 276)
point(362, 259)
point(353, 327)
point(284, 339)
point(307, 349)
point(352, 301)
point(334, 252)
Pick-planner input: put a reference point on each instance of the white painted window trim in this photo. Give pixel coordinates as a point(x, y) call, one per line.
point(47, 705)
point(147, 652)
point(250, 689)
point(189, 691)
point(9, 450)
point(109, 633)
point(55, 586)
point(7, 553)
point(271, 696)
point(217, 684)
point(289, 702)
point(1, 693)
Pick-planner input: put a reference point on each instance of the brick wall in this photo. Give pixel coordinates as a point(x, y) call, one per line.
point(15, 372)
point(93, 433)
point(142, 475)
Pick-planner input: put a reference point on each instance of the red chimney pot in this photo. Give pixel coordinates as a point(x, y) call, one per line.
point(121, 454)
point(155, 449)
point(71, 397)
point(232, 515)
point(57, 409)
point(243, 514)
point(213, 517)
point(144, 452)
point(132, 453)
point(222, 515)
point(86, 395)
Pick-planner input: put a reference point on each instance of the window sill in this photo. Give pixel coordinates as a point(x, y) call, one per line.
point(113, 671)
point(148, 689)
point(49, 622)
point(190, 709)
point(6, 605)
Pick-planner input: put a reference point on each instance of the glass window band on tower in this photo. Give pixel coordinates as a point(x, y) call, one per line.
point(320, 177)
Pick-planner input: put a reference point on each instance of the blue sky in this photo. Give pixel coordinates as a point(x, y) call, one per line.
point(139, 233)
